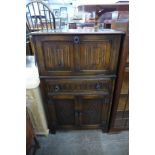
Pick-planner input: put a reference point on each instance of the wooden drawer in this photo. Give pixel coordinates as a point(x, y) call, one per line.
point(78, 86)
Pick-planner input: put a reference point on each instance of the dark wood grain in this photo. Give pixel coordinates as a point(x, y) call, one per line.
point(60, 55)
point(53, 86)
point(94, 111)
point(77, 73)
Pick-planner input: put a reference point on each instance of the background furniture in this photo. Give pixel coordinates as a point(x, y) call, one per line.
point(77, 72)
point(39, 16)
point(63, 17)
point(120, 109)
point(28, 43)
point(35, 107)
point(116, 17)
point(106, 13)
point(30, 136)
point(72, 26)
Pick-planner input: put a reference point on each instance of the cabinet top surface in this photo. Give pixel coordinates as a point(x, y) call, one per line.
point(77, 31)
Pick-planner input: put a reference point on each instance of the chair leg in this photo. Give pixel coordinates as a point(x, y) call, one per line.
point(36, 146)
point(36, 142)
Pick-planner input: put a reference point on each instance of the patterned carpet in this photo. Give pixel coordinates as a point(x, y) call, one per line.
point(85, 142)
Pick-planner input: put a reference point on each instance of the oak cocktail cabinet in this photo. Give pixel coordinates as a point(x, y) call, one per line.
point(78, 69)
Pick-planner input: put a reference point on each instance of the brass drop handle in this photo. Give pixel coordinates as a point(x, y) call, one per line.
point(56, 88)
point(76, 40)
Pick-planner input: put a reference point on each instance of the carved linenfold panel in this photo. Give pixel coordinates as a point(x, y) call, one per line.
point(58, 57)
point(77, 85)
point(95, 55)
point(91, 111)
point(65, 112)
point(94, 111)
point(92, 55)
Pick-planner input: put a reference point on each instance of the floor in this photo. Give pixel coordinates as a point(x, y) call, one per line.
point(85, 142)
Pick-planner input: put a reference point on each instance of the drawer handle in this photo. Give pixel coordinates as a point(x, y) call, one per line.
point(76, 40)
point(98, 86)
point(56, 88)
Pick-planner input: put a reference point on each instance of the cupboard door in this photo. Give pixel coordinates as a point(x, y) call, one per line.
point(98, 54)
point(94, 111)
point(63, 108)
point(55, 55)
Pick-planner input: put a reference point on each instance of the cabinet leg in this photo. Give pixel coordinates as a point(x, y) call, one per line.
point(53, 130)
point(104, 130)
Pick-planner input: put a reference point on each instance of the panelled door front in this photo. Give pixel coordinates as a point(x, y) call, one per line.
point(55, 55)
point(94, 111)
point(98, 54)
point(77, 55)
point(62, 111)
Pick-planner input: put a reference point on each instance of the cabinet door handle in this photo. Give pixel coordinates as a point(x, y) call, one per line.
point(56, 88)
point(76, 40)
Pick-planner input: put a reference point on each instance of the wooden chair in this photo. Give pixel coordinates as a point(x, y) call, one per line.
point(28, 43)
point(39, 16)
